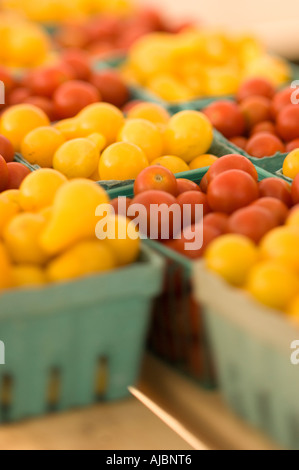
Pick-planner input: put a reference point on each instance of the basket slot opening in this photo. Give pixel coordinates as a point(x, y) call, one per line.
point(101, 379)
point(6, 394)
point(54, 388)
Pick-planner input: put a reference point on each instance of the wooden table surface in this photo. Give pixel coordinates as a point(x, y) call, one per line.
point(129, 425)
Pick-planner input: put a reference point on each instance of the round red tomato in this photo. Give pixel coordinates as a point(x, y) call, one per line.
point(217, 220)
point(288, 123)
point(253, 222)
point(43, 103)
point(16, 174)
point(265, 126)
point(280, 101)
point(6, 149)
point(295, 190)
point(231, 191)
point(239, 141)
point(184, 185)
point(7, 79)
point(121, 205)
point(256, 109)
point(255, 87)
point(43, 82)
point(264, 145)
point(226, 117)
point(157, 178)
point(71, 97)
point(204, 183)
point(79, 62)
point(72, 36)
point(195, 200)
point(156, 224)
point(18, 95)
point(276, 207)
point(232, 162)
point(111, 87)
point(3, 174)
point(293, 145)
point(277, 188)
point(197, 235)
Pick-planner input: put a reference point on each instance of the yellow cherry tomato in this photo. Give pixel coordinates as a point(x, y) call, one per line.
point(273, 284)
point(70, 128)
point(293, 219)
point(281, 244)
point(5, 268)
point(40, 145)
point(150, 112)
point(17, 121)
point(8, 210)
point(99, 141)
point(77, 158)
point(169, 89)
point(203, 161)
point(188, 134)
point(174, 164)
point(293, 310)
point(38, 190)
point(145, 135)
point(26, 275)
point(103, 118)
point(232, 257)
point(291, 164)
point(122, 161)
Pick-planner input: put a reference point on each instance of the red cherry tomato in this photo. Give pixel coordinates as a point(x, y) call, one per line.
point(265, 126)
point(189, 235)
point(71, 97)
point(193, 199)
point(18, 95)
point(121, 205)
point(204, 184)
point(231, 191)
point(43, 82)
point(3, 174)
point(130, 105)
point(111, 87)
point(232, 162)
point(151, 198)
point(7, 79)
point(277, 188)
point(239, 141)
point(103, 28)
point(6, 149)
point(288, 123)
point(253, 222)
point(43, 103)
point(16, 174)
point(184, 185)
point(72, 36)
point(79, 62)
point(158, 178)
point(276, 207)
point(293, 145)
point(264, 145)
point(295, 190)
point(256, 109)
point(280, 101)
point(226, 117)
point(255, 87)
point(217, 220)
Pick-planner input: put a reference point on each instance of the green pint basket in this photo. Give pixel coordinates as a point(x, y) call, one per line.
point(69, 345)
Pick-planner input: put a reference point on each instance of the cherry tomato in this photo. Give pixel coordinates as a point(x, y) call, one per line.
point(130, 105)
point(255, 87)
point(239, 141)
point(265, 126)
point(7, 79)
point(184, 185)
point(3, 174)
point(256, 109)
point(295, 190)
point(111, 87)
point(121, 205)
point(232, 162)
point(71, 97)
point(193, 199)
point(18, 95)
point(226, 117)
point(231, 191)
point(43, 103)
point(72, 36)
point(276, 207)
point(217, 220)
point(277, 188)
point(280, 101)
point(253, 222)
point(188, 237)
point(104, 27)
point(293, 145)
point(156, 177)
point(16, 174)
point(204, 184)
point(79, 62)
point(43, 82)
point(6, 149)
point(288, 123)
point(264, 145)
point(151, 198)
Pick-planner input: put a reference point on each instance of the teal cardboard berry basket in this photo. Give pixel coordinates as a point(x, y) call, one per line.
point(71, 344)
point(253, 349)
point(178, 332)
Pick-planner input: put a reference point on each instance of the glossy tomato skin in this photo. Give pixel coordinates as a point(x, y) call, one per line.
point(256, 109)
point(232, 162)
point(277, 188)
point(204, 184)
point(16, 174)
point(231, 191)
point(226, 117)
point(288, 123)
point(73, 96)
point(276, 207)
point(111, 87)
point(156, 178)
point(265, 126)
point(280, 101)
point(193, 199)
point(239, 141)
point(255, 87)
point(184, 185)
point(293, 145)
point(217, 220)
point(263, 145)
point(6, 149)
point(295, 190)
point(253, 222)
point(150, 198)
point(45, 81)
point(188, 236)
